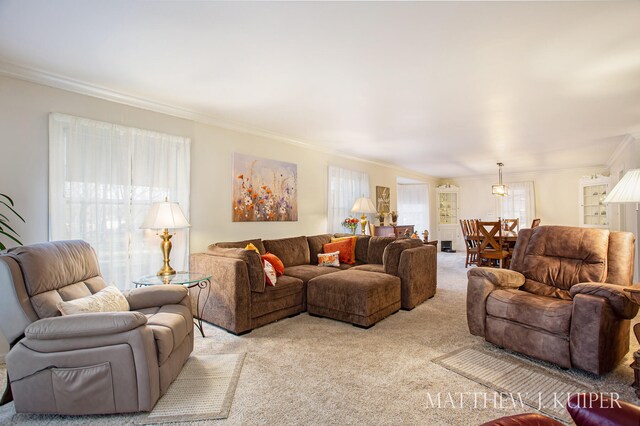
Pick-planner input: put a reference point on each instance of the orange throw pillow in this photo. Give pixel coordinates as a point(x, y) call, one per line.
point(344, 247)
point(353, 241)
point(275, 261)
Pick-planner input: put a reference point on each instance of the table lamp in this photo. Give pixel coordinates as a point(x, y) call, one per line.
point(627, 190)
point(363, 205)
point(165, 216)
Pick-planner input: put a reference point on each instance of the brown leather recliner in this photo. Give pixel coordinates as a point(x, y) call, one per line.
point(563, 299)
point(93, 363)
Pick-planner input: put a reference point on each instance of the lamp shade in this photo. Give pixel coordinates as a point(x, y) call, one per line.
point(363, 205)
point(627, 190)
point(165, 215)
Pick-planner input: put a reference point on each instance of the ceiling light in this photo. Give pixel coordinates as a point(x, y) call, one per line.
point(500, 189)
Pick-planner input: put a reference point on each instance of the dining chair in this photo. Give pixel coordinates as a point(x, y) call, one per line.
point(535, 223)
point(491, 249)
point(469, 243)
point(512, 225)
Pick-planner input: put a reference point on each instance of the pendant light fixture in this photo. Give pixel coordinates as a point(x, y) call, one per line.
point(500, 189)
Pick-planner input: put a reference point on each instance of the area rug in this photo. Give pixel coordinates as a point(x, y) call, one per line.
point(204, 390)
point(516, 380)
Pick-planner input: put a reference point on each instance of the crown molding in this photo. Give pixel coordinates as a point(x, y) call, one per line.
point(622, 146)
point(58, 81)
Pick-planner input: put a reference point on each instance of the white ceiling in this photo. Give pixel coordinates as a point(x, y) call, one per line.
point(446, 89)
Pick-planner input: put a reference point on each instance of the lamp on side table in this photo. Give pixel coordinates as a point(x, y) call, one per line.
point(627, 190)
point(164, 216)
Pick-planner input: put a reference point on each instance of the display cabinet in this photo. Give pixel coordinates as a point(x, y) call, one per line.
point(448, 214)
point(593, 213)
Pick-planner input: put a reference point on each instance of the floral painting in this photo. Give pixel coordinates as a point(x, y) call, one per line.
point(264, 189)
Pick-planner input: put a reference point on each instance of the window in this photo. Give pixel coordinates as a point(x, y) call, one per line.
point(344, 187)
point(520, 203)
point(102, 179)
point(413, 206)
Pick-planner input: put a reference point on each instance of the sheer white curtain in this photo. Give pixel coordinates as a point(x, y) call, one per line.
point(344, 187)
point(413, 206)
point(102, 179)
point(520, 203)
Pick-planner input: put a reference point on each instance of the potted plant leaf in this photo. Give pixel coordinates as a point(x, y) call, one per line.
point(5, 229)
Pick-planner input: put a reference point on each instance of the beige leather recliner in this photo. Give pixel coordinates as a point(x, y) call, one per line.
point(563, 300)
point(93, 363)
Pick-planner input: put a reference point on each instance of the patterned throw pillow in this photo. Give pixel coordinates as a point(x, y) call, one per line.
point(109, 299)
point(329, 259)
point(269, 273)
point(275, 262)
point(345, 248)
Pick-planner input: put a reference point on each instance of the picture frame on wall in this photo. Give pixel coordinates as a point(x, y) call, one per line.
point(264, 190)
point(383, 199)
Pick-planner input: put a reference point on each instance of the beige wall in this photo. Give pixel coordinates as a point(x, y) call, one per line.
point(556, 193)
point(24, 164)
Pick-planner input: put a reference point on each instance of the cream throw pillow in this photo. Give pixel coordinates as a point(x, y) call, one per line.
point(109, 299)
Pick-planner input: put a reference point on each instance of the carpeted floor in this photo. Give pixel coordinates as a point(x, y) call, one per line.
point(307, 370)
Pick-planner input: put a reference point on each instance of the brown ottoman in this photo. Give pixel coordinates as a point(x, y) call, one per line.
point(360, 297)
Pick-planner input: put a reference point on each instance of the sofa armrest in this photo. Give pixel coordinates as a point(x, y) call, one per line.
point(498, 277)
point(418, 275)
point(393, 251)
point(229, 302)
point(481, 283)
point(157, 295)
point(251, 258)
point(620, 301)
point(84, 325)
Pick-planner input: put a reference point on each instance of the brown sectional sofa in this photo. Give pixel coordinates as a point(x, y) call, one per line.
point(240, 301)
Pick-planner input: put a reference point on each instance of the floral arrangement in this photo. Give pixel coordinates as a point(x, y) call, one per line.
point(351, 223)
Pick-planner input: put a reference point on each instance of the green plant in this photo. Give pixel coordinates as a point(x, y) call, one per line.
point(5, 228)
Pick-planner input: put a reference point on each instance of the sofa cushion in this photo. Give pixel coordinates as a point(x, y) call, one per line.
point(292, 251)
point(315, 246)
point(362, 246)
point(242, 244)
point(376, 248)
point(561, 256)
point(271, 299)
point(50, 266)
point(361, 293)
point(371, 267)
point(544, 313)
point(307, 272)
point(170, 324)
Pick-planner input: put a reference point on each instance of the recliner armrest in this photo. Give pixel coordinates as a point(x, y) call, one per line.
point(619, 300)
point(158, 295)
point(84, 325)
point(498, 277)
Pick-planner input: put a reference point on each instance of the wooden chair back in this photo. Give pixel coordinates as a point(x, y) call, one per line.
point(512, 225)
point(491, 244)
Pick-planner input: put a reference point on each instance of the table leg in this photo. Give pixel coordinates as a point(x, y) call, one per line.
point(201, 285)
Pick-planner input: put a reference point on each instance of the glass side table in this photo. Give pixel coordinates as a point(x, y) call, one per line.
point(187, 279)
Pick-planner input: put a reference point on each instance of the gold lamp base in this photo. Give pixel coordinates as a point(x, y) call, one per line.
point(363, 223)
point(165, 246)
